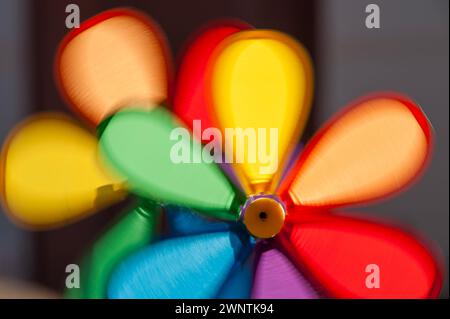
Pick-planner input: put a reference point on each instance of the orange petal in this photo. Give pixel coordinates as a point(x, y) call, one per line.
point(372, 149)
point(115, 59)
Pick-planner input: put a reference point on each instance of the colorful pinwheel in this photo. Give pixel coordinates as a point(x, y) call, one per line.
point(266, 228)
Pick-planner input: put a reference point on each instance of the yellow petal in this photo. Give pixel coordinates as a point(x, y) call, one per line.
point(261, 81)
point(51, 174)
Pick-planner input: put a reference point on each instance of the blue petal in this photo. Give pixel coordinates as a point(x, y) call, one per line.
point(184, 221)
point(240, 281)
point(182, 267)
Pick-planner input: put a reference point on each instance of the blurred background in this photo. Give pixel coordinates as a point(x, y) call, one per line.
point(408, 53)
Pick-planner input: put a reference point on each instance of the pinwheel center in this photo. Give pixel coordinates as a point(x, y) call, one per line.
point(263, 215)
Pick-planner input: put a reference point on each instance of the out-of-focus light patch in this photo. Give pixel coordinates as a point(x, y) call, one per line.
point(15, 289)
point(190, 100)
point(115, 59)
point(370, 151)
point(261, 79)
point(51, 173)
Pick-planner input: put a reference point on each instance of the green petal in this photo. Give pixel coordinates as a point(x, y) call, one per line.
point(137, 144)
point(135, 230)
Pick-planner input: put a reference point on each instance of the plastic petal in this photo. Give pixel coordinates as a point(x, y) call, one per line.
point(182, 267)
point(351, 258)
point(50, 173)
point(115, 59)
point(373, 149)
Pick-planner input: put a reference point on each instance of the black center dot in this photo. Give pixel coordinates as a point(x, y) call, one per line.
point(262, 216)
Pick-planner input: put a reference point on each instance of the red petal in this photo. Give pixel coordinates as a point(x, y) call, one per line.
point(342, 254)
point(190, 101)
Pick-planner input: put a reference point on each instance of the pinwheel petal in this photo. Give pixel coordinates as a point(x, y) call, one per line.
point(292, 161)
point(135, 230)
point(373, 149)
point(183, 267)
point(261, 86)
point(182, 221)
point(114, 59)
point(50, 173)
point(352, 258)
point(276, 277)
point(191, 95)
point(191, 100)
point(141, 146)
point(239, 282)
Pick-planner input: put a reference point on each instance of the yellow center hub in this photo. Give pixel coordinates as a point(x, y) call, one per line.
point(263, 216)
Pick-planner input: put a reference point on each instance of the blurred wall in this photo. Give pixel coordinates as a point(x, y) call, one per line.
point(409, 54)
point(15, 244)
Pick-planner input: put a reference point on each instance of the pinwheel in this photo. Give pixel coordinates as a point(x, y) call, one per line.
point(250, 223)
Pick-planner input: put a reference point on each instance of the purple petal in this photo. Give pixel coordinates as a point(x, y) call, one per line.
point(277, 278)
